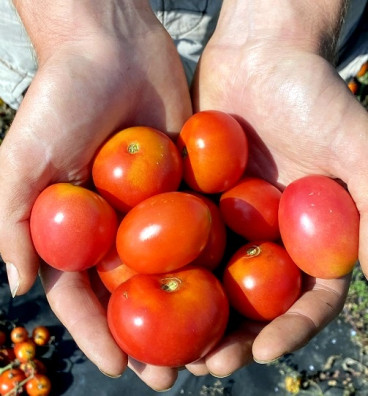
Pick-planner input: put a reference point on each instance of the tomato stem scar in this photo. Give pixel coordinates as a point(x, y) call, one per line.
point(170, 284)
point(133, 148)
point(253, 251)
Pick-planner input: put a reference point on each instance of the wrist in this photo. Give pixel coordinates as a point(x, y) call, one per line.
point(306, 25)
point(51, 24)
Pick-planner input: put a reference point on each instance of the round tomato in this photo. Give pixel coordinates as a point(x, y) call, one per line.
point(134, 164)
point(262, 281)
point(213, 252)
point(164, 232)
point(250, 209)
point(10, 380)
point(215, 151)
point(319, 225)
point(41, 335)
point(170, 319)
point(72, 228)
point(25, 351)
point(112, 271)
point(38, 385)
point(18, 334)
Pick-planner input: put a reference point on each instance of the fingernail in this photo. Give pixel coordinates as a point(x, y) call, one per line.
point(220, 376)
point(162, 390)
point(110, 375)
point(13, 278)
point(266, 361)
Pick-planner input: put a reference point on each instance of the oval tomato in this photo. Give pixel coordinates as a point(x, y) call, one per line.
point(213, 252)
point(134, 164)
point(72, 228)
point(171, 319)
point(215, 151)
point(262, 281)
point(112, 271)
point(164, 232)
point(250, 209)
point(319, 225)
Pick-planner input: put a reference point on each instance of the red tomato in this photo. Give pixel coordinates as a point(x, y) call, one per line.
point(18, 334)
point(212, 254)
point(38, 385)
point(250, 209)
point(169, 319)
point(72, 228)
point(25, 351)
point(112, 271)
point(215, 151)
point(262, 281)
point(10, 380)
point(319, 225)
point(3, 337)
point(32, 367)
point(41, 335)
point(135, 164)
point(164, 232)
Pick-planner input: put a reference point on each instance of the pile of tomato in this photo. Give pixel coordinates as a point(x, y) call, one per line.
point(22, 371)
point(159, 222)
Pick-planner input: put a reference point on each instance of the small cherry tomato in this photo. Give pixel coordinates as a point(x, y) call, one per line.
point(72, 228)
point(10, 380)
point(134, 164)
point(319, 226)
point(18, 334)
point(112, 271)
point(38, 385)
point(262, 281)
point(41, 335)
point(250, 209)
point(164, 232)
point(3, 337)
point(214, 147)
point(32, 367)
point(25, 350)
point(169, 319)
point(212, 254)
point(7, 355)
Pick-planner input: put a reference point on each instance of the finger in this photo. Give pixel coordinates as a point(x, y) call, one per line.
point(158, 378)
point(321, 303)
point(233, 352)
point(71, 298)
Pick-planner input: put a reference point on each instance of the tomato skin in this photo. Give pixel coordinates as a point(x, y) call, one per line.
point(250, 209)
point(164, 232)
point(72, 228)
point(19, 334)
point(168, 327)
point(112, 271)
point(134, 164)
point(215, 151)
point(41, 335)
point(262, 281)
point(25, 351)
point(319, 225)
point(10, 379)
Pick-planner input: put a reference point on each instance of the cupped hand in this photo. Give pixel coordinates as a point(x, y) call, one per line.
point(300, 119)
point(118, 75)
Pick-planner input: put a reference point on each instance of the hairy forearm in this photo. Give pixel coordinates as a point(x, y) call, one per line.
point(308, 24)
point(51, 23)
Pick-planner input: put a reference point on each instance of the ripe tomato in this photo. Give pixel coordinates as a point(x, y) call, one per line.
point(135, 164)
point(25, 351)
point(10, 380)
point(250, 209)
point(41, 335)
point(32, 367)
point(215, 151)
point(169, 319)
point(262, 281)
point(38, 385)
point(164, 232)
point(72, 228)
point(3, 337)
point(212, 254)
point(112, 271)
point(319, 225)
point(18, 334)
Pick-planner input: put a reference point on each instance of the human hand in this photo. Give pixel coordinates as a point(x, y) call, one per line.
point(102, 66)
point(267, 66)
